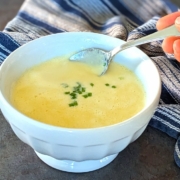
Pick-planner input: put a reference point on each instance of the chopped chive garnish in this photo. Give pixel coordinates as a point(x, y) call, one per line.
point(72, 94)
point(83, 89)
point(89, 94)
point(73, 104)
point(85, 96)
point(76, 91)
point(107, 84)
point(113, 86)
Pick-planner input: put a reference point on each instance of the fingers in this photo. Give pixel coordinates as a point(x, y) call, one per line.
point(171, 44)
point(167, 44)
point(168, 20)
point(177, 23)
point(176, 48)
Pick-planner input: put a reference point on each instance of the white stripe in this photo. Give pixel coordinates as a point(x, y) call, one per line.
point(169, 79)
point(93, 10)
point(166, 123)
point(174, 108)
point(173, 69)
point(168, 112)
point(112, 7)
point(4, 48)
point(2, 55)
point(177, 149)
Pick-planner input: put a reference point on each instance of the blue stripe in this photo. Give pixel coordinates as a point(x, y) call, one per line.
point(176, 78)
point(69, 9)
point(164, 116)
point(109, 7)
point(162, 127)
point(2, 58)
point(150, 52)
point(166, 97)
point(171, 73)
point(84, 13)
point(8, 42)
point(4, 52)
point(176, 64)
point(122, 9)
point(175, 111)
point(147, 31)
point(44, 25)
point(171, 6)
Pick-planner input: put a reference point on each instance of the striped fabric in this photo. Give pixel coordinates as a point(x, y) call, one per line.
point(124, 19)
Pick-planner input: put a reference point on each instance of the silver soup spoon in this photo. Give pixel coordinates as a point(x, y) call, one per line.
point(102, 58)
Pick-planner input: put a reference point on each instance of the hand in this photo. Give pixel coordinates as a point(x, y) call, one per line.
point(171, 44)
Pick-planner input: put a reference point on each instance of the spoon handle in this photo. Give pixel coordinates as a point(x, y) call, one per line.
point(159, 35)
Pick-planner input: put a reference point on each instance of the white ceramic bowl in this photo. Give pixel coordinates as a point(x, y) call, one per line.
point(77, 150)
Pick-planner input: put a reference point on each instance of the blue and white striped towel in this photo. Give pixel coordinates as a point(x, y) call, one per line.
point(124, 19)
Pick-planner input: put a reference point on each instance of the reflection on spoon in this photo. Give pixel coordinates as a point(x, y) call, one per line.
point(100, 59)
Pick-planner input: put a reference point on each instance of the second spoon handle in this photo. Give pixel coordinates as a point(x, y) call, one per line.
point(159, 35)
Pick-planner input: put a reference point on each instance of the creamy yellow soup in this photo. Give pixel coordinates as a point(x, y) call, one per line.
point(69, 94)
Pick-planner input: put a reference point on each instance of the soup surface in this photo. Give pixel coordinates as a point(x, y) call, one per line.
point(69, 94)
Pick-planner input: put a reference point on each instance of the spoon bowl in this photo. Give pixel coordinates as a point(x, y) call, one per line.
point(101, 59)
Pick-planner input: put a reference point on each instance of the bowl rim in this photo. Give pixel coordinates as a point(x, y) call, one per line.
point(47, 126)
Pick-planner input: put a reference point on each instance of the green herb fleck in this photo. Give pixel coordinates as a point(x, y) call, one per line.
point(79, 92)
point(89, 94)
point(107, 84)
point(72, 94)
point(113, 86)
point(83, 89)
point(73, 104)
point(85, 96)
point(73, 97)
